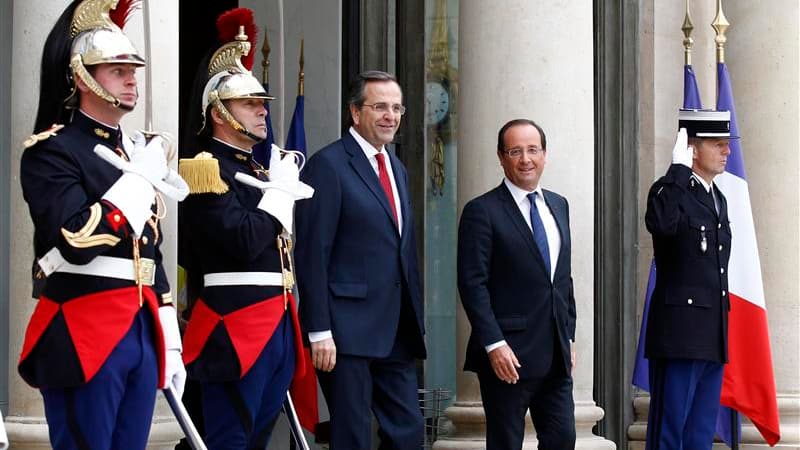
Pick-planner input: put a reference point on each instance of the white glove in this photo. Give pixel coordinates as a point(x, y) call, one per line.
point(682, 153)
point(280, 205)
point(3, 436)
point(283, 169)
point(174, 186)
point(283, 189)
point(133, 195)
point(148, 160)
point(174, 371)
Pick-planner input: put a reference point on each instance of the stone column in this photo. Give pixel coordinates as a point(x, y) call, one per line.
point(530, 60)
point(32, 21)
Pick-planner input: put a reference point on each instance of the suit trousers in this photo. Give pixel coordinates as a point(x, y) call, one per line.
point(549, 399)
point(114, 409)
point(684, 401)
point(387, 387)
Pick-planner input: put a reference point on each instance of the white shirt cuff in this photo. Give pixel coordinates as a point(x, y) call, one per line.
point(497, 344)
point(316, 336)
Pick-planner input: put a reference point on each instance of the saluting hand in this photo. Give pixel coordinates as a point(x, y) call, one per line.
point(505, 364)
point(323, 354)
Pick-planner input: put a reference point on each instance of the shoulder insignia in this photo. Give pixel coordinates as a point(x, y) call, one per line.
point(43, 136)
point(101, 133)
point(202, 174)
point(240, 157)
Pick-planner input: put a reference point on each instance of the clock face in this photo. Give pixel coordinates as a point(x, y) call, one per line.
point(437, 102)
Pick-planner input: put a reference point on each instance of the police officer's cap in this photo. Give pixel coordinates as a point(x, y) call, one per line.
point(706, 123)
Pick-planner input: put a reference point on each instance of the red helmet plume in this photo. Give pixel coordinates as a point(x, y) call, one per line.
point(122, 13)
point(228, 25)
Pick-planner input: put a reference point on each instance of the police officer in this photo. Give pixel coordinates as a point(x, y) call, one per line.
point(687, 328)
point(104, 335)
point(242, 342)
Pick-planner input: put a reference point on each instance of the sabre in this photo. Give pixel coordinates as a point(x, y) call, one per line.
point(294, 423)
point(189, 430)
point(148, 72)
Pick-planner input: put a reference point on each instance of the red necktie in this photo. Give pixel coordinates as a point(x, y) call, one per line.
point(386, 184)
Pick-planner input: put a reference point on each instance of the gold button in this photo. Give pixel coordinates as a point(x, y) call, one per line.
point(720, 247)
point(723, 292)
point(145, 240)
point(721, 270)
point(116, 217)
point(689, 301)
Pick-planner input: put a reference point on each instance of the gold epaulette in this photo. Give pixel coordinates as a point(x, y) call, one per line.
point(43, 136)
point(202, 174)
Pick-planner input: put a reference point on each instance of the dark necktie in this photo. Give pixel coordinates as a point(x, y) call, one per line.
point(539, 235)
point(383, 176)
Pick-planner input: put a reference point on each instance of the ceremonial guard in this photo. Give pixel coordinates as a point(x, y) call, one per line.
point(104, 334)
point(687, 327)
point(242, 342)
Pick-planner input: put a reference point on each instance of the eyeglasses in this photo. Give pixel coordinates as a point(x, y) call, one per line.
point(517, 152)
point(385, 107)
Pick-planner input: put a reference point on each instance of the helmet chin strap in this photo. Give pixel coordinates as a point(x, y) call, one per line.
point(235, 124)
point(79, 71)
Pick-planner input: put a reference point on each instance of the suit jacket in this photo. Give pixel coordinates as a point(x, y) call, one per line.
point(506, 289)
point(355, 270)
point(688, 315)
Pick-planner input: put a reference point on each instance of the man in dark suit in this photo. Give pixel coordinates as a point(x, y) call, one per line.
point(687, 327)
point(360, 294)
point(516, 287)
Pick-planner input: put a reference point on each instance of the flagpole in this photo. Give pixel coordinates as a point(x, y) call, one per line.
point(687, 28)
point(720, 26)
point(265, 50)
point(301, 75)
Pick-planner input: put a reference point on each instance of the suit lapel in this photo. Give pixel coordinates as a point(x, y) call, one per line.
point(402, 193)
point(515, 215)
point(560, 216)
point(360, 163)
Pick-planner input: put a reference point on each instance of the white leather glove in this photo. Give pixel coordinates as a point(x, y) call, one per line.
point(682, 153)
point(174, 371)
point(133, 195)
point(283, 189)
point(148, 160)
point(3, 436)
point(179, 188)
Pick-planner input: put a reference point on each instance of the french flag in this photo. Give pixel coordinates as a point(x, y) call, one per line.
point(748, 384)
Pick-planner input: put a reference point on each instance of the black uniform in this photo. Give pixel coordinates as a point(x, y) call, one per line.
point(242, 342)
point(687, 326)
point(91, 337)
point(692, 243)
point(63, 182)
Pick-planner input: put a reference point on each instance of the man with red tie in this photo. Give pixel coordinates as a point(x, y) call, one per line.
point(360, 295)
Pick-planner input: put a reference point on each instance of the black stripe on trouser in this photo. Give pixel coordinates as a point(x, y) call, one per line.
point(657, 407)
point(72, 420)
point(237, 402)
